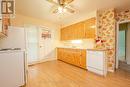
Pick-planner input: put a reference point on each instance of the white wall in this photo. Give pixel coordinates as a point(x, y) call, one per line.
point(79, 18)
point(85, 44)
point(46, 47)
point(22, 20)
point(128, 45)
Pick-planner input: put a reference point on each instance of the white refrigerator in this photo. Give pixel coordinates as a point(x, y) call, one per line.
point(13, 62)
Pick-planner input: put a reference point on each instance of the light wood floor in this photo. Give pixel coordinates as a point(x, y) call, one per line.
point(60, 74)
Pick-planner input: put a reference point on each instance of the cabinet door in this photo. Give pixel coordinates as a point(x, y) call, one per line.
point(72, 32)
point(69, 56)
point(83, 59)
point(90, 26)
point(77, 57)
point(73, 56)
point(80, 31)
point(66, 33)
point(64, 55)
point(62, 34)
point(60, 53)
point(69, 32)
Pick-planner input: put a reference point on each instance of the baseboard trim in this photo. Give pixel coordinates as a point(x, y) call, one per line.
point(41, 61)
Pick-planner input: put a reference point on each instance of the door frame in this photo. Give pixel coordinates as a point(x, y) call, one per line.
point(26, 26)
point(117, 40)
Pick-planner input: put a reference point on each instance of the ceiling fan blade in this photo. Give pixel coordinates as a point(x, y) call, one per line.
point(52, 1)
point(64, 2)
point(60, 2)
point(55, 11)
point(69, 10)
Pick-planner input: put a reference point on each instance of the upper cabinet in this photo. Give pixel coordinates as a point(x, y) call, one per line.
point(4, 23)
point(81, 30)
point(90, 26)
point(78, 30)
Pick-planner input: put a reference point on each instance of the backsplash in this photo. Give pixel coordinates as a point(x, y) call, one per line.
point(84, 44)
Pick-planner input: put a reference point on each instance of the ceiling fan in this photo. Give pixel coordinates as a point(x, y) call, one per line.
point(62, 6)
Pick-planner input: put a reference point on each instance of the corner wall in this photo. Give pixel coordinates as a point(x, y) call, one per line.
point(106, 30)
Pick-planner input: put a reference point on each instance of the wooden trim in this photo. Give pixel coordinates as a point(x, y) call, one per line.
point(116, 39)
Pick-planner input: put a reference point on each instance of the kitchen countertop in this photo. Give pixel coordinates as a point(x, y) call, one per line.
point(93, 49)
point(96, 49)
point(71, 48)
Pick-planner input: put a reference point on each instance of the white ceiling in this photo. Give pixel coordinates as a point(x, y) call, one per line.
point(41, 9)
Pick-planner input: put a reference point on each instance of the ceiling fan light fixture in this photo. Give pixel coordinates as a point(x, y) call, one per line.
point(62, 6)
point(65, 10)
point(61, 9)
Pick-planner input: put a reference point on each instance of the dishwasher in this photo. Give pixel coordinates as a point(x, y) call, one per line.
point(97, 62)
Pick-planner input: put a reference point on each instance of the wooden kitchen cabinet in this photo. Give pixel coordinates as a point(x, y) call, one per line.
point(81, 30)
point(75, 57)
point(90, 26)
point(73, 32)
point(65, 33)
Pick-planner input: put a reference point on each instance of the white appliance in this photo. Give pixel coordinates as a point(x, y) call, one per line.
point(12, 60)
point(16, 38)
point(96, 62)
point(12, 68)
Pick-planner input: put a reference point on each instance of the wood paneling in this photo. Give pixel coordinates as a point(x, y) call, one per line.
point(73, 56)
point(81, 30)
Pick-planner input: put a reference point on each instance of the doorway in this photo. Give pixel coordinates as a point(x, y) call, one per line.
point(39, 44)
point(32, 44)
point(123, 46)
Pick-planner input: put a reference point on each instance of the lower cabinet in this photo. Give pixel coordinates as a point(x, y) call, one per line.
point(75, 57)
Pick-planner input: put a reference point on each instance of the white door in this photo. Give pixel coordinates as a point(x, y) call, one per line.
point(41, 45)
point(45, 45)
point(32, 44)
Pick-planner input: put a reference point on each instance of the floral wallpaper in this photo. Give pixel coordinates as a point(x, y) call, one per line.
point(123, 15)
point(106, 32)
